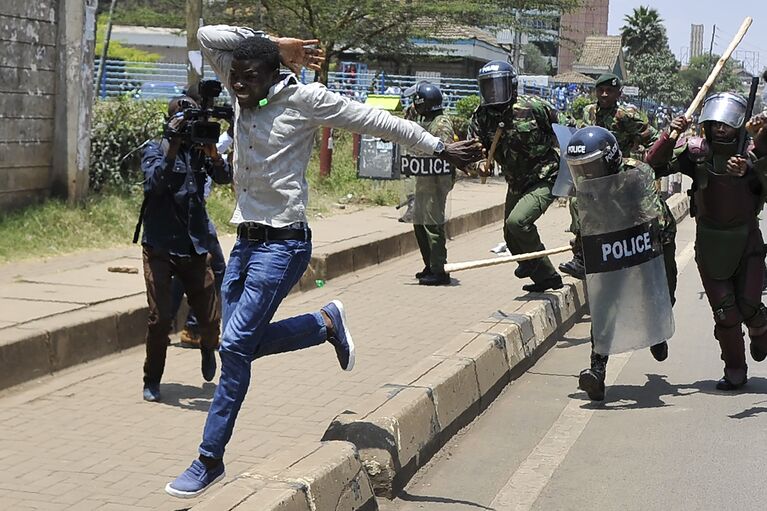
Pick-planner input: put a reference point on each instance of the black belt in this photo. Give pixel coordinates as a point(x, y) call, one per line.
point(260, 232)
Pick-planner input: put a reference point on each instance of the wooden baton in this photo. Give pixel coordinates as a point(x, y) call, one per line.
point(490, 155)
point(715, 72)
point(481, 263)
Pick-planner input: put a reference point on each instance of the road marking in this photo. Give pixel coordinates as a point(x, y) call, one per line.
point(526, 484)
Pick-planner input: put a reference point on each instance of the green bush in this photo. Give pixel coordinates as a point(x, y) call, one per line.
point(577, 106)
point(464, 108)
point(119, 126)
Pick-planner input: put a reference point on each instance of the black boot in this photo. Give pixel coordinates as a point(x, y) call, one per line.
point(574, 267)
point(733, 379)
point(592, 380)
point(421, 274)
point(660, 351)
point(554, 282)
point(435, 279)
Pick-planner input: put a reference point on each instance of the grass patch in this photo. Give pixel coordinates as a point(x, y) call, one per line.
point(107, 219)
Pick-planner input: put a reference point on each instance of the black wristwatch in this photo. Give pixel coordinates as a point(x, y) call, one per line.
point(439, 149)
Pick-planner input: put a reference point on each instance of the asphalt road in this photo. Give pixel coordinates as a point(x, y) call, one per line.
point(664, 438)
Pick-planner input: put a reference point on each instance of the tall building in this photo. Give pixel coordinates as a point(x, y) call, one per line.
point(696, 40)
point(589, 19)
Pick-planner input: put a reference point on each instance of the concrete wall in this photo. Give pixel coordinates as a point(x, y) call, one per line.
point(45, 99)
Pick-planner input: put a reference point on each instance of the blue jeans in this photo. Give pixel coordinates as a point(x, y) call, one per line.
point(258, 277)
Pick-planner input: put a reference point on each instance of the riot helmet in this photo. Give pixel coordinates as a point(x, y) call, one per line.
point(427, 97)
point(497, 83)
point(724, 107)
point(593, 152)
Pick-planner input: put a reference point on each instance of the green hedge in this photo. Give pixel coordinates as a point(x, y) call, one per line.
point(464, 108)
point(119, 126)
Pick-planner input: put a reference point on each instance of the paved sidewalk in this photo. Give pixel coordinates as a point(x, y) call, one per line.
point(83, 438)
point(68, 310)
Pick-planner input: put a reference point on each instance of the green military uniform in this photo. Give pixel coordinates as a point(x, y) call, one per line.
point(430, 202)
point(529, 161)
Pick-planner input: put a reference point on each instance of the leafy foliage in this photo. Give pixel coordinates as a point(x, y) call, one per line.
point(644, 32)
point(383, 33)
point(697, 72)
point(464, 108)
point(535, 62)
point(657, 76)
point(119, 126)
point(578, 104)
point(148, 13)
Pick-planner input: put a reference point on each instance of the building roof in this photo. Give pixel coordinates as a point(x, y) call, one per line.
point(601, 54)
point(573, 77)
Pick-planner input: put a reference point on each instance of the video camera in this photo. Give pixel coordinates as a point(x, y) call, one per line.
point(199, 129)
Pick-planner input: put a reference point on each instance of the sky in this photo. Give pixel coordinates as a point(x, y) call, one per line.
point(678, 15)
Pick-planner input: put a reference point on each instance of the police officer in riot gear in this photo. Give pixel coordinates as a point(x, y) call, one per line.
point(592, 153)
point(728, 192)
point(519, 129)
point(431, 191)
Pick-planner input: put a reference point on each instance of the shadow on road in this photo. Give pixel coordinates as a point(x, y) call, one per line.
point(650, 394)
point(187, 397)
point(441, 500)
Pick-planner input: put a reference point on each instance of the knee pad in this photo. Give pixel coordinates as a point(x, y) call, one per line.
point(727, 314)
point(755, 317)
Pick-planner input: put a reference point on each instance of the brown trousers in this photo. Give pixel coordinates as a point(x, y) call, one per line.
point(197, 277)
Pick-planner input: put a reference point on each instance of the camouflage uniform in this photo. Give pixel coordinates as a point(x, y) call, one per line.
point(529, 161)
point(430, 201)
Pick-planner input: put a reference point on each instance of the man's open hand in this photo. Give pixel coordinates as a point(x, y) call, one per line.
point(757, 127)
point(297, 53)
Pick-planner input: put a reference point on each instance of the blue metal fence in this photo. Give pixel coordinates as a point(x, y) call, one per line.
point(162, 80)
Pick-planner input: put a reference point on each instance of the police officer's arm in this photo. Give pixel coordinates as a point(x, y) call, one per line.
point(668, 156)
point(640, 129)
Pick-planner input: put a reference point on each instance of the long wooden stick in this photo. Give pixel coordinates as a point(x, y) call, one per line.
point(715, 72)
point(481, 263)
point(491, 155)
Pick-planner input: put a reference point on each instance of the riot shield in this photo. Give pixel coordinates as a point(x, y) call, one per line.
point(625, 274)
point(426, 189)
point(563, 186)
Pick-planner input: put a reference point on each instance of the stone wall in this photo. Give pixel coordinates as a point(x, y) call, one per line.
point(45, 98)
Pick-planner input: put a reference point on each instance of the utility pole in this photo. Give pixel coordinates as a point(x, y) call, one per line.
point(711, 48)
point(102, 62)
point(193, 17)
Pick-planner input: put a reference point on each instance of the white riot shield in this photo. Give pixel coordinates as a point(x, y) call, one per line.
point(563, 186)
point(625, 274)
point(426, 189)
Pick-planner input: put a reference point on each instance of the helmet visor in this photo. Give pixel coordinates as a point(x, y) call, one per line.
point(496, 88)
point(587, 166)
point(723, 109)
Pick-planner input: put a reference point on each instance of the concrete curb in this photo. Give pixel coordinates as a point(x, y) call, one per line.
point(330, 477)
point(398, 429)
point(41, 347)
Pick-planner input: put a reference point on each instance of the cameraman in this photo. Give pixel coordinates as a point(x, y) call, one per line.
point(177, 241)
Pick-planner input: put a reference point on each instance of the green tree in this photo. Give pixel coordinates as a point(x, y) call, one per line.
point(657, 76)
point(700, 67)
point(379, 30)
point(535, 62)
point(148, 13)
point(643, 32)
